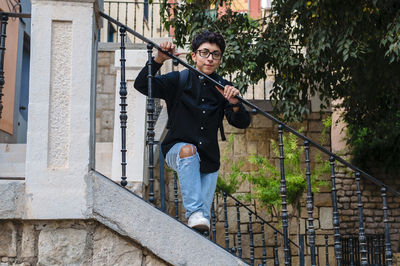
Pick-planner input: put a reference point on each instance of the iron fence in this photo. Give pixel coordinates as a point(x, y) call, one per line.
point(334, 160)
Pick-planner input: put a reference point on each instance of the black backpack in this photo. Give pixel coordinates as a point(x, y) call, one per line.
point(183, 77)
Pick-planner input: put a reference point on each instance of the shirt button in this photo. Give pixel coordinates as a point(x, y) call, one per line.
point(201, 128)
point(202, 100)
point(204, 112)
point(200, 143)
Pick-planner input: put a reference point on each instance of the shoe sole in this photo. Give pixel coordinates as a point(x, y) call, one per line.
point(201, 227)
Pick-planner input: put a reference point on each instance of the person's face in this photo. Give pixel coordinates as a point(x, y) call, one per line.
point(208, 64)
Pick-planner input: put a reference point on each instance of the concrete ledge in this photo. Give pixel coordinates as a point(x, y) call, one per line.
point(167, 238)
point(12, 198)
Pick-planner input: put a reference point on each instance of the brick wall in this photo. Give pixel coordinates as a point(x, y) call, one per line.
point(372, 204)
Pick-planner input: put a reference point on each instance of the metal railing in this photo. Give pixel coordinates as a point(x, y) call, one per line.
point(333, 160)
point(141, 16)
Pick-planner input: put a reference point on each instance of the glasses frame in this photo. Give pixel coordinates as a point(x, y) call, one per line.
point(213, 54)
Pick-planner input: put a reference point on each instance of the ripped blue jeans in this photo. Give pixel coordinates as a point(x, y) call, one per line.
point(197, 188)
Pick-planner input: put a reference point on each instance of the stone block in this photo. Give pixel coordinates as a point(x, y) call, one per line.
point(263, 147)
point(8, 239)
point(104, 102)
point(323, 200)
point(103, 59)
point(239, 145)
point(111, 249)
point(28, 240)
point(325, 217)
point(315, 126)
point(252, 148)
point(62, 247)
point(107, 119)
point(12, 199)
point(109, 84)
point(260, 121)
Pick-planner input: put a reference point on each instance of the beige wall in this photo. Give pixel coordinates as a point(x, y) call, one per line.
point(10, 66)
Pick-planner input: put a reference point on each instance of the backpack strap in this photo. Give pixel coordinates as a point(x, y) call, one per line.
point(221, 120)
point(183, 77)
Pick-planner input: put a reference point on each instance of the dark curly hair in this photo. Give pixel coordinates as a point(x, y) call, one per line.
point(208, 36)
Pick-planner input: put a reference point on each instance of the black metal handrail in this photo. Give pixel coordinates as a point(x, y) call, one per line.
point(307, 142)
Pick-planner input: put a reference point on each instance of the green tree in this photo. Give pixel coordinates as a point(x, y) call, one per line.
point(337, 49)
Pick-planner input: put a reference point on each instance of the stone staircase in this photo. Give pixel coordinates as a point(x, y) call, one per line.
point(120, 229)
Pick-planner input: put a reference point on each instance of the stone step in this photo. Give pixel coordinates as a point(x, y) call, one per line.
point(127, 214)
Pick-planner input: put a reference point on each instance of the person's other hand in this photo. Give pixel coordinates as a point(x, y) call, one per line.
point(229, 93)
point(168, 47)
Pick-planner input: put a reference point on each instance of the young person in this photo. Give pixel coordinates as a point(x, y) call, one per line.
point(196, 109)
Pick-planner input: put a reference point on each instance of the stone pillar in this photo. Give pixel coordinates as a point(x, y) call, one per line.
point(61, 108)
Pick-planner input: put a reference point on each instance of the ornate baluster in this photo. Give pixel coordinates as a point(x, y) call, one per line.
point(380, 247)
point(123, 116)
point(276, 258)
point(351, 251)
point(388, 246)
point(213, 222)
point(368, 250)
point(326, 251)
point(226, 223)
point(335, 218)
point(162, 179)
point(310, 206)
point(239, 234)
point(4, 22)
point(150, 122)
point(264, 260)
point(361, 231)
point(376, 253)
point(283, 195)
point(176, 196)
point(383, 248)
point(251, 244)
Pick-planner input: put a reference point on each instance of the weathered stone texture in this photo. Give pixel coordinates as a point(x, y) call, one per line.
point(111, 249)
point(8, 239)
point(12, 199)
point(62, 247)
point(27, 243)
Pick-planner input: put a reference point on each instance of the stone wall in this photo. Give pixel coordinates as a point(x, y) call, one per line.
point(256, 140)
point(372, 206)
point(105, 98)
point(68, 243)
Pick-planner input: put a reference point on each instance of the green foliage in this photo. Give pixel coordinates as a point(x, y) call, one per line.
point(230, 182)
point(337, 49)
point(266, 180)
point(238, 30)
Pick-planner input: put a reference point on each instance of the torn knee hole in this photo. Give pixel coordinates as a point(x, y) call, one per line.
point(187, 151)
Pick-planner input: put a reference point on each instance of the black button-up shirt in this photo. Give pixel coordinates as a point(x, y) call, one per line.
point(196, 115)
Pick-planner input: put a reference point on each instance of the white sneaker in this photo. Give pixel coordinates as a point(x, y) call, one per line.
point(199, 222)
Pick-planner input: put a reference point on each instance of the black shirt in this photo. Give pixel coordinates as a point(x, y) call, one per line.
point(196, 115)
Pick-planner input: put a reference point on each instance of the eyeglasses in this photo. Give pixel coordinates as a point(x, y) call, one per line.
point(205, 53)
